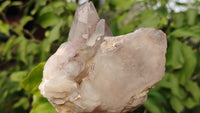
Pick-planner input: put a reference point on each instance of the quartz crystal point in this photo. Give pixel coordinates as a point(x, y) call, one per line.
point(95, 72)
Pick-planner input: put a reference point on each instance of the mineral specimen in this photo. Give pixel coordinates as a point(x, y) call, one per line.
point(95, 72)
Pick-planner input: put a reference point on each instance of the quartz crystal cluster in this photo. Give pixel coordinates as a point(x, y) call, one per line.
point(95, 72)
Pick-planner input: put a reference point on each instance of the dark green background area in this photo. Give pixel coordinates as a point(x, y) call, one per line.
point(32, 30)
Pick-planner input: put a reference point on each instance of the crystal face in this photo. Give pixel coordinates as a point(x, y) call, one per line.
point(96, 72)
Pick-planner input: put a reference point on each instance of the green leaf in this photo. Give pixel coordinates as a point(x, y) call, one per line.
point(4, 28)
point(194, 89)
point(150, 19)
point(58, 6)
point(170, 81)
point(190, 103)
point(47, 19)
point(32, 48)
point(4, 5)
point(45, 10)
point(71, 6)
point(187, 32)
point(41, 105)
point(175, 87)
point(191, 15)
point(12, 87)
point(174, 55)
point(18, 76)
point(120, 4)
point(176, 104)
point(25, 20)
point(22, 102)
point(3, 75)
point(21, 51)
point(46, 44)
point(42, 2)
point(38, 4)
point(122, 17)
point(153, 106)
point(70, 20)
point(189, 65)
point(58, 3)
point(126, 29)
point(33, 80)
point(178, 19)
point(114, 27)
point(44, 49)
point(8, 48)
point(16, 3)
point(157, 96)
point(55, 32)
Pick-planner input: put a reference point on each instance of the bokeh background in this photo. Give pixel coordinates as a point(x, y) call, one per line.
point(32, 30)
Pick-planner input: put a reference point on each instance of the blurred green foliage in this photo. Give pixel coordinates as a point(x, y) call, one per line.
point(32, 30)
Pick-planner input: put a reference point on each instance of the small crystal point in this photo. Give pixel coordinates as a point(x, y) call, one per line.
point(96, 72)
point(85, 21)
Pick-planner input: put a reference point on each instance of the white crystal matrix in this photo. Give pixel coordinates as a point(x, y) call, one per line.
point(95, 72)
